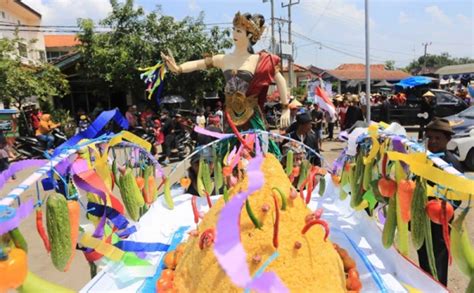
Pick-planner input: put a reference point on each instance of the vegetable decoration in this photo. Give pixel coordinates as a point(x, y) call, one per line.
point(461, 246)
point(313, 222)
point(40, 229)
point(185, 182)
point(277, 222)
point(59, 230)
point(405, 190)
point(252, 216)
point(13, 268)
point(282, 196)
point(441, 212)
point(207, 238)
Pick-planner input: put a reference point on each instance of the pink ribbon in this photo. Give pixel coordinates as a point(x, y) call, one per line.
point(228, 249)
point(211, 133)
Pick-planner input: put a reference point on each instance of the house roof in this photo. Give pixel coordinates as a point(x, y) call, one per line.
point(57, 41)
point(456, 69)
point(296, 68)
point(357, 72)
point(19, 2)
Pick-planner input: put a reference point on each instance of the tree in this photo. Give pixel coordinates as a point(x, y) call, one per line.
point(19, 81)
point(435, 62)
point(390, 65)
point(136, 38)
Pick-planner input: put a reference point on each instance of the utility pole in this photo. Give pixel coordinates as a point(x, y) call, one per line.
point(424, 56)
point(273, 42)
point(281, 52)
point(290, 60)
point(367, 62)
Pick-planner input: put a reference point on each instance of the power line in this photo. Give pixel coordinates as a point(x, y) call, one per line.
point(320, 17)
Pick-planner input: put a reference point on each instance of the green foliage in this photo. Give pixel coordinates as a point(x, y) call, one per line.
point(390, 65)
point(136, 39)
point(299, 93)
point(19, 81)
point(436, 61)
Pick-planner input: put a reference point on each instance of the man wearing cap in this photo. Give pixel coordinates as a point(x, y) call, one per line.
point(304, 134)
point(426, 108)
point(354, 113)
point(438, 133)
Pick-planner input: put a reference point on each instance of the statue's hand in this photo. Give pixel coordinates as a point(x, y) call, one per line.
point(285, 118)
point(170, 62)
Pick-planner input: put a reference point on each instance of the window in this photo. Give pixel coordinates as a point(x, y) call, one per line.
point(3, 14)
point(22, 50)
point(445, 98)
point(19, 22)
point(42, 55)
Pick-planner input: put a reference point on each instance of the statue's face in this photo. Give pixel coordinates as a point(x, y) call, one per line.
point(239, 35)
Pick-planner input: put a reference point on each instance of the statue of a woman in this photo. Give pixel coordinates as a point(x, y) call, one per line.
point(248, 75)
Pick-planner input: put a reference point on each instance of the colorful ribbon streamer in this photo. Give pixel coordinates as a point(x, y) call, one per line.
point(13, 217)
point(228, 249)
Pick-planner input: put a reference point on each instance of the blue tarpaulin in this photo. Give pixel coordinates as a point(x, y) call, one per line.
point(414, 81)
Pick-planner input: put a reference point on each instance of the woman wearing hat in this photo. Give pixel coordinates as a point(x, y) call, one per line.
point(248, 75)
point(438, 133)
point(426, 108)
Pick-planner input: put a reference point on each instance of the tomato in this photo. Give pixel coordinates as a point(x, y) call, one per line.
point(434, 210)
point(13, 270)
point(170, 260)
point(387, 187)
point(167, 274)
point(163, 285)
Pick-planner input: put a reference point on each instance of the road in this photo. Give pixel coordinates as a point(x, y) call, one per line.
point(40, 263)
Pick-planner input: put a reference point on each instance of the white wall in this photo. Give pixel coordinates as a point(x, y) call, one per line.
point(12, 13)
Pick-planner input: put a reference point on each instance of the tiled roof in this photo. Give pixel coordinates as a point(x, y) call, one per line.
point(296, 68)
point(357, 72)
point(55, 41)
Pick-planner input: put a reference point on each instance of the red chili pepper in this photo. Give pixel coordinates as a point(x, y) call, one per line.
point(277, 222)
point(207, 238)
point(384, 165)
point(444, 222)
point(236, 131)
point(40, 229)
point(163, 179)
point(318, 213)
point(208, 198)
point(319, 222)
point(311, 178)
point(195, 210)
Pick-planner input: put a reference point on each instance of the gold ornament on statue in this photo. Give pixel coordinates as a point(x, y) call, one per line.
point(250, 25)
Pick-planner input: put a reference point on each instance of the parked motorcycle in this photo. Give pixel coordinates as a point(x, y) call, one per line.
point(32, 147)
point(184, 147)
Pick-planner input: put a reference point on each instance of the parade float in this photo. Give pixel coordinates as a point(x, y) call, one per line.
point(253, 224)
point(104, 194)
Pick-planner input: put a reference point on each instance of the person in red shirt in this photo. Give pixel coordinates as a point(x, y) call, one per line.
point(145, 116)
point(131, 116)
point(35, 119)
point(159, 136)
point(341, 111)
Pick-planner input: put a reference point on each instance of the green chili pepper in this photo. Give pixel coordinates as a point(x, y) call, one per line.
point(282, 196)
point(252, 216)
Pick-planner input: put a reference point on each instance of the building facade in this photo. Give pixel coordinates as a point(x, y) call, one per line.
point(16, 14)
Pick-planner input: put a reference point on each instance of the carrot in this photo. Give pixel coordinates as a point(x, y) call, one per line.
point(405, 190)
point(74, 214)
point(148, 193)
point(140, 182)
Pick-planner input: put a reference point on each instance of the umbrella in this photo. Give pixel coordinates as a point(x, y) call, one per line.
point(414, 81)
point(383, 83)
point(173, 99)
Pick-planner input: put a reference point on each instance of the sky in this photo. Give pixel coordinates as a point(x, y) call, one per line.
point(326, 33)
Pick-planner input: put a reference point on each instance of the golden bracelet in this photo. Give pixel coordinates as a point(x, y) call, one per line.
point(209, 62)
point(180, 69)
point(285, 105)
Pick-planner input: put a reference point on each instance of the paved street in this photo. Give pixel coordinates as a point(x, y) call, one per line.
point(78, 275)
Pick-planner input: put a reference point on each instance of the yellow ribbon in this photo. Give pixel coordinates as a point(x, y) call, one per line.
point(423, 167)
point(109, 251)
point(375, 144)
point(131, 138)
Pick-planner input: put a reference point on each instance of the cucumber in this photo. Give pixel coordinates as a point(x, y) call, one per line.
point(388, 233)
point(418, 214)
point(35, 284)
point(59, 230)
point(131, 196)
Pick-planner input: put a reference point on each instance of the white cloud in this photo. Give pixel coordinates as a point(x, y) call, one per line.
point(66, 12)
point(403, 17)
point(193, 6)
point(464, 19)
point(437, 14)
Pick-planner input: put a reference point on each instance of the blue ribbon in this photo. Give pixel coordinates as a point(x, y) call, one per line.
point(127, 245)
point(95, 128)
point(112, 214)
point(149, 285)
